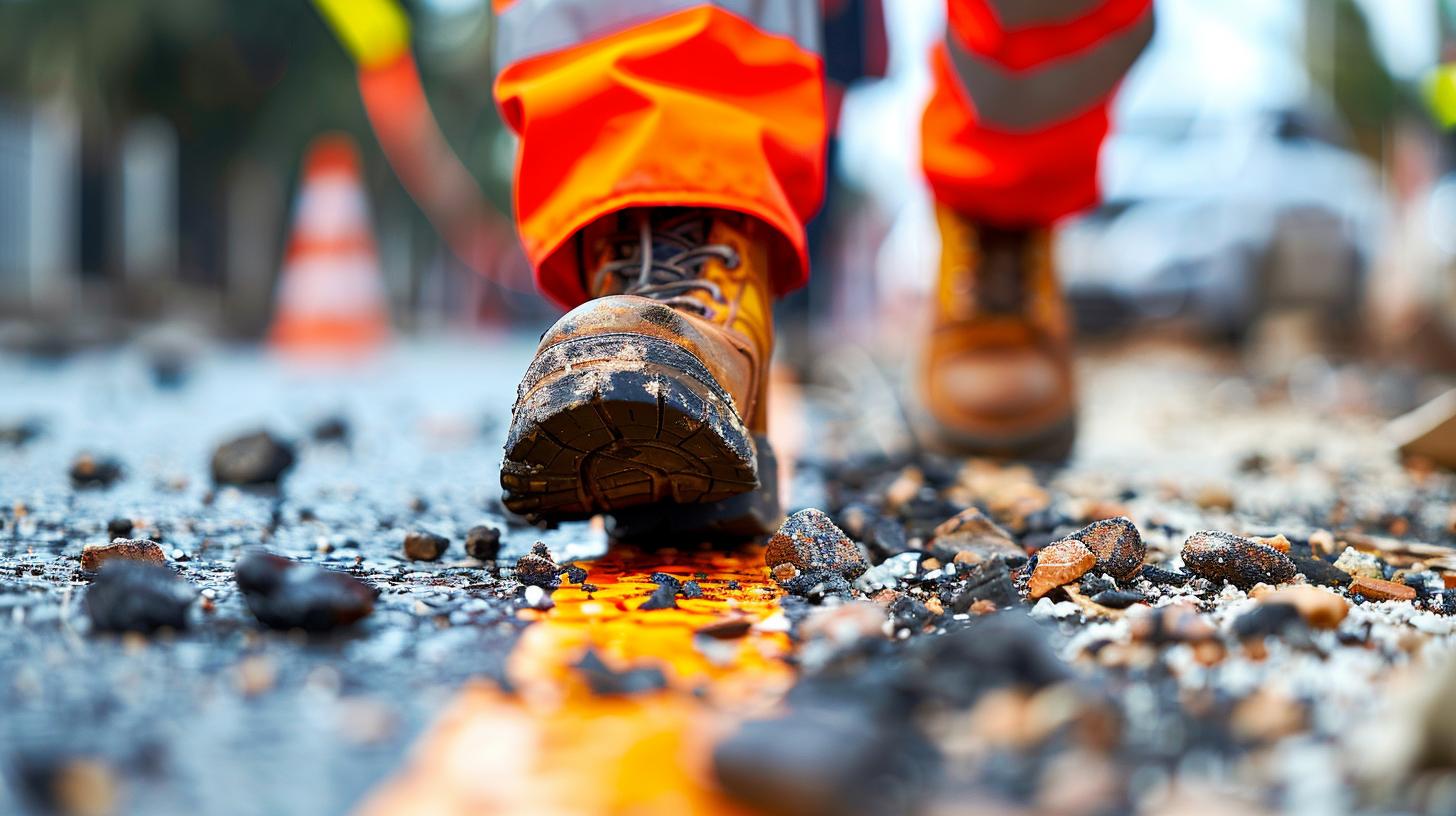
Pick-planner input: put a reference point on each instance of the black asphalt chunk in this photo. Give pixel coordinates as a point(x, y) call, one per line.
point(483, 542)
point(1157, 576)
point(252, 459)
point(1320, 572)
point(137, 597)
point(88, 470)
point(986, 581)
point(118, 528)
point(1268, 619)
point(1118, 598)
point(331, 429)
point(664, 597)
point(284, 594)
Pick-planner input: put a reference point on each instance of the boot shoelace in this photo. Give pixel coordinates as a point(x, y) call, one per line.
point(997, 285)
point(672, 279)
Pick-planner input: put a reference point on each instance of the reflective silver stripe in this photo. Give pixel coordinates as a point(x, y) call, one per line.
point(1028, 100)
point(529, 28)
point(1019, 13)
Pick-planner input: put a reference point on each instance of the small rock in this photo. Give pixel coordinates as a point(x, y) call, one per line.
point(421, 545)
point(1162, 577)
point(483, 542)
point(1356, 564)
point(1058, 563)
point(537, 568)
point(119, 528)
point(971, 531)
point(664, 597)
point(1276, 542)
point(574, 574)
point(536, 598)
point(1320, 608)
point(1220, 556)
point(92, 471)
point(284, 594)
point(1265, 620)
point(825, 759)
point(988, 583)
point(137, 597)
point(908, 613)
point(890, 572)
point(728, 628)
point(606, 681)
point(1377, 589)
point(664, 579)
point(253, 459)
point(19, 433)
point(1320, 572)
point(1118, 598)
point(817, 550)
point(1117, 545)
point(331, 429)
point(691, 590)
point(121, 549)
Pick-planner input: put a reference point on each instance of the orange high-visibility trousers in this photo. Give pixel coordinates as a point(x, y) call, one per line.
point(1020, 103)
point(635, 103)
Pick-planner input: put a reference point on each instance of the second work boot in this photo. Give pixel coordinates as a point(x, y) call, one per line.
point(652, 392)
point(997, 377)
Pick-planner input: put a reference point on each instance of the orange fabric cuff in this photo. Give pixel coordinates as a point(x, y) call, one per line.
point(696, 108)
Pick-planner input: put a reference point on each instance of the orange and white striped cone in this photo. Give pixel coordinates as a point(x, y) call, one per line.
point(330, 297)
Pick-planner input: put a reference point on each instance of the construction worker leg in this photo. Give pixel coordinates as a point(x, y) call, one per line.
point(1020, 104)
point(638, 103)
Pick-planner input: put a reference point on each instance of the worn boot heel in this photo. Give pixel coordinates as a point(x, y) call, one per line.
point(742, 518)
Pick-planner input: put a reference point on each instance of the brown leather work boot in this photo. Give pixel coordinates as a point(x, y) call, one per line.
point(997, 378)
point(653, 391)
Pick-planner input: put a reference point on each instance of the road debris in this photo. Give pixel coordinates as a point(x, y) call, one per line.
point(88, 470)
point(482, 542)
point(808, 550)
point(137, 597)
point(257, 458)
point(1221, 556)
point(422, 545)
point(121, 549)
point(537, 568)
point(1058, 563)
point(284, 594)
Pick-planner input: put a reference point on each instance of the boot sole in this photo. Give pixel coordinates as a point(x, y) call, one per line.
point(734, 520)
point(615, 421)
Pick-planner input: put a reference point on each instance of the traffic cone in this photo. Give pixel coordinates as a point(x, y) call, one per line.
point(330, 297)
